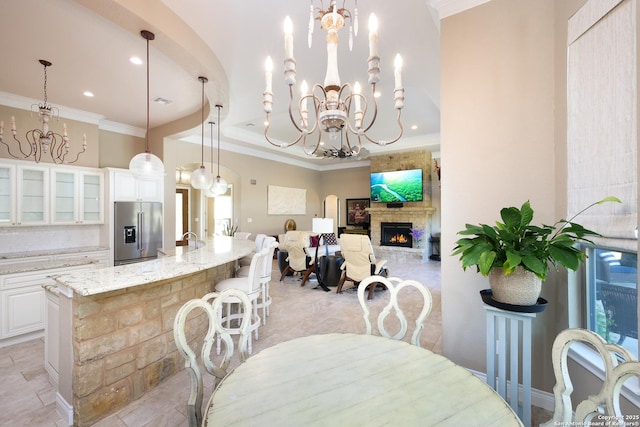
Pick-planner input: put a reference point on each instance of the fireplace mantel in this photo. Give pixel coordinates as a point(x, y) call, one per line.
point(409, 210)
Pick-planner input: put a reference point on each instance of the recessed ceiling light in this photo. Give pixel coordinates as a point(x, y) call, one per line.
point(135, 60)
point(164, 101)
point(266, 123)
point(414, 127)
point(88, 94)
point(377, 94)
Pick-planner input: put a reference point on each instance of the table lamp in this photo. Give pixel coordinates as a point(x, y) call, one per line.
point(322, 226)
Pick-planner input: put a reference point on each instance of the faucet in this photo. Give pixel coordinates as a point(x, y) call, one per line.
point(191, 233)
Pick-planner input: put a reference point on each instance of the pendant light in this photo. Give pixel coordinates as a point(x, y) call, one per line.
point(201, 178)
point(146, 166)
point(209, 191)
point(220, 185)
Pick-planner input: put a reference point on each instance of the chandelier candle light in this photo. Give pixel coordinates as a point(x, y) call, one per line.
point(43, 141)
point(334, 106)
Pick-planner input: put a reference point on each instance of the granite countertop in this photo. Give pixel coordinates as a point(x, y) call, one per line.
point(36, 265)
point(26, 254)
point(218, 250)
point(46, 265)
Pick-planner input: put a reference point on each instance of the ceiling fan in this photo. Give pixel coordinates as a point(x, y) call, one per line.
point(344, 152)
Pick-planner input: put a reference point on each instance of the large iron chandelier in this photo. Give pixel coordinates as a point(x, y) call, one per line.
point(334, 106)
point(43, 141)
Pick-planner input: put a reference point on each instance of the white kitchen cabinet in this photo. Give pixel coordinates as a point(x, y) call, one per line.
point(23, 300)
point(129, 188)
point(77, 196)
point(32, 195)
point(22, 310)
point(7, 194)
point(24, 194)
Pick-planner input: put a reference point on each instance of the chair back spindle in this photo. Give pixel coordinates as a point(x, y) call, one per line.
point(394, 286)
point(215, 330)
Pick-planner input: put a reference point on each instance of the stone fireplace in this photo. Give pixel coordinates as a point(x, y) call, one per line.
point(417, 214)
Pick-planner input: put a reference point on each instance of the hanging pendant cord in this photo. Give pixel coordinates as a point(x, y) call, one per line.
point(211, 134)
point(203, 80)
point(146, 140)
point(218, 107)
point(45, 86)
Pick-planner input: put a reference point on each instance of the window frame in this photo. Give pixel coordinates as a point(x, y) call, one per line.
point(583, 354)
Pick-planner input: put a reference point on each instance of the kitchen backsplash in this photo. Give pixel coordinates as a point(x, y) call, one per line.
point(29, 239)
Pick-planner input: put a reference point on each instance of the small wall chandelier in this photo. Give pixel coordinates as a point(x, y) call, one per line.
point(43, 141)
point(334, 106)
point(147, 166)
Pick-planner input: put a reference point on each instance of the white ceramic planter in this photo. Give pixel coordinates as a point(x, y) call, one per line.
point(522, 287)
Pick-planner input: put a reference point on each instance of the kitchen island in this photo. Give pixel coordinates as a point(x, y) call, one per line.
point(115, 326)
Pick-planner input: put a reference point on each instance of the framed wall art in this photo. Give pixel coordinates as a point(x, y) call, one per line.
point(356, 213)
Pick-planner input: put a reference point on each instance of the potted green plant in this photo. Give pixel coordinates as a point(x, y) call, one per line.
point(516, 255)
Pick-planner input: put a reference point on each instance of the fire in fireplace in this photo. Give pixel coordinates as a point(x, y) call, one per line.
point(396, 234)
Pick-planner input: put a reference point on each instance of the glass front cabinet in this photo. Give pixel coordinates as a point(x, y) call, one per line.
point(76, 196)
point(39, 194)
point(24, 193)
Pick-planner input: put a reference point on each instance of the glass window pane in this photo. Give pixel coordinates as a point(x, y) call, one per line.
point(612, 296)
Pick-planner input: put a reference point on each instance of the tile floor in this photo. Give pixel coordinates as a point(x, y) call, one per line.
point(27, 398)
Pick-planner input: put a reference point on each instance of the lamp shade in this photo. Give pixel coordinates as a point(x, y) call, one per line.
point(146, 166)
point(219, 186)
point(201, 179)
point(322, 225)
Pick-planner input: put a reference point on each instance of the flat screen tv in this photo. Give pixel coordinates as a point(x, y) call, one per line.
point(396, 186)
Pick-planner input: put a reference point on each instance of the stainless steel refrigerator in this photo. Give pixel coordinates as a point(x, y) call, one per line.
point(138, 231)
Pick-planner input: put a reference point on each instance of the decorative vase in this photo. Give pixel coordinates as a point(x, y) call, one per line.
point(522, 287)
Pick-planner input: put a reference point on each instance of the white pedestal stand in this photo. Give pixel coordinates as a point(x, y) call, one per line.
point(508, 344)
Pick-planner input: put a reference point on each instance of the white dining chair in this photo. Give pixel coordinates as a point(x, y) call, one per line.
point(394, 286)
point(211, 305)
point(619, 366)
point(251, 286)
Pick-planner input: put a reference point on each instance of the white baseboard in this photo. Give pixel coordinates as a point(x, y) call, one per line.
point(539, 398)
point(64, 409)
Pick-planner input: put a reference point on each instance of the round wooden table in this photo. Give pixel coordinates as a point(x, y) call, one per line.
point(354, 380)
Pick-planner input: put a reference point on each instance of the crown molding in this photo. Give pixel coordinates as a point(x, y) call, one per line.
point(23, 103)
point(448, 8)
point(121, 128)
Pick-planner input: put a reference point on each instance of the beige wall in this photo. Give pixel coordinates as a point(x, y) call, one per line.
point(352, 183)
point(251, 199)
point(503, 142)
point(117, 150)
